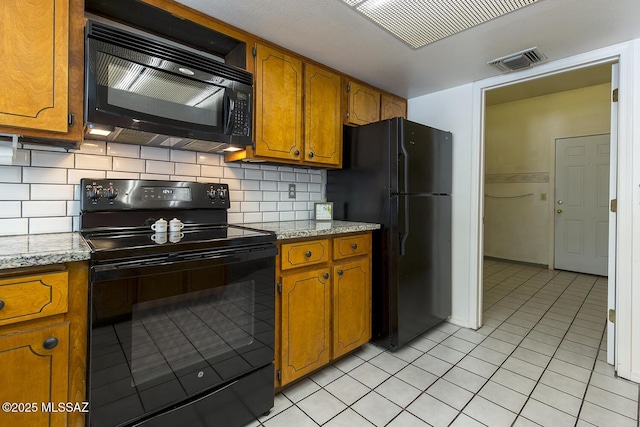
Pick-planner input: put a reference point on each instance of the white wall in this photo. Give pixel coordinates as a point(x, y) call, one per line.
point(450, 110)
point(40, 192)
point(460, 110)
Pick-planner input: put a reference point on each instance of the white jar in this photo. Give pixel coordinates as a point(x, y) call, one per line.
point(160, 226)
point(175, 225)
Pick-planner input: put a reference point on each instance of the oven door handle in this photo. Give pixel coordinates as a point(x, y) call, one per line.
point(181, 261)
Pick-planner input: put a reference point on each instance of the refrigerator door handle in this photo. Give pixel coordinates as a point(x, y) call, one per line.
point(404, 234)
point(403, 172)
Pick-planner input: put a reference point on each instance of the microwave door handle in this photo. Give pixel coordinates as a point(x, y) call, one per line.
point(228, 108)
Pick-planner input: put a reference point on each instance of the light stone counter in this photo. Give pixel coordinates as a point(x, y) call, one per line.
point(310, 228)
point(42, 249)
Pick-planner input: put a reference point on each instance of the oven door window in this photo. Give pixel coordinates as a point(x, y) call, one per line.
point(162, 338)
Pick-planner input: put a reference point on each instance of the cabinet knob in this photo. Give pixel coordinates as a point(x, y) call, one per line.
point(325, 275)
point(340, 272)
point(307, 254)
point(296, 153)
point(1, 304)
point(354, 246)
point(311, 155)
point(50, 343)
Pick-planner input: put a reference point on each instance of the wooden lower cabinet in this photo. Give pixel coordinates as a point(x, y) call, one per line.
point(43, 351)
point(323, 311)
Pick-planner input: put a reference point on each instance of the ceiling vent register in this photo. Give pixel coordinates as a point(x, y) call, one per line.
point(519, 60)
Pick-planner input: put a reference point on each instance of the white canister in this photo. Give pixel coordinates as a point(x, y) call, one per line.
point(159, 238)
point(175, 225)
point(175, 236)
point(160, 226)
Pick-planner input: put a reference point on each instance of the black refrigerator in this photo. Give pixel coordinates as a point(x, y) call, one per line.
point(398, 173)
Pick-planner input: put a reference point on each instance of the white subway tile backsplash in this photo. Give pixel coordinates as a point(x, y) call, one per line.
point(209, 159)
point(75, 175)
point(154, 176)
point(23, 158)
point(14, 191)
point(127, 164)
point(50, 225)
point(300, 206)
point(44, 208)
point(183, 156)
point(154, 153)
point(316, 179)
point(316, 197)
point(285, 168)
point(253, 174)
point(288, 176)
point(234, 206)
point(10, 174)
point(213, 171)
point(283, 186)
point(187, 168)
point(10, 209)
point(123, 150)
point(303, 196)
point(90, 161)
point(302, 186)
point(302, 215)
point(270, 216)
point(268, 168)
point(183, 178)
point(253, 217)
point(94, 147)
point(285, 206)
point(235, 218)
point(303, 177)
point(287, 216)
point(52, 160)
point(271, 175)
point(76, 223)
point(234, 184)
point(237, 196)
point(236, 173)
point(315, 188)
point(253, 196)
point(122, 175)
point(284, 195)
point(207, 179)
point(157, 167)
point(249, 185)
point(43, 147)
point(268, 186)
point(32, 175)
point(14, 226)
point(73, 207)
point(250, 207)
point(270, 196)
point(268, 206)
point(51, 192)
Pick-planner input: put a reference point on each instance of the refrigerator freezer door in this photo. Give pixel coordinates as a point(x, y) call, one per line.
point(424, 159)
point(421, 294)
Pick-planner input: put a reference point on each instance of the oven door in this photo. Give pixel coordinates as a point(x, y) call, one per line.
point(167, 331)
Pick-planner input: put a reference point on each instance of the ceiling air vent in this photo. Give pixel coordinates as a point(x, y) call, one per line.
point(519, 60)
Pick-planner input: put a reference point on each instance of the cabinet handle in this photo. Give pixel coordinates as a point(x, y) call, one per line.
point(307, 254)
point(311, 155)
point(325, 275)
point(296, 153)
point(1, 304)
point(354, 246)
point(50, 343)
point(340, 272)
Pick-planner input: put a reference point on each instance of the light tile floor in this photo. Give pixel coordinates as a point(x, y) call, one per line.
point(539, 359)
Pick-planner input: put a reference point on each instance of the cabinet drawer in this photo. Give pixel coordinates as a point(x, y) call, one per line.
point(345, 247)
point(33, 296)
point(300, 254)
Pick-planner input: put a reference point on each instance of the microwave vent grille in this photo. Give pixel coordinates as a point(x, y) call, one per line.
point(164, 51)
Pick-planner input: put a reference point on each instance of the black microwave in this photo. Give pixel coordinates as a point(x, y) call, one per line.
point(142, 89)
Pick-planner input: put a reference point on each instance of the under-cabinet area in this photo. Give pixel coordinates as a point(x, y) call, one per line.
point(323, 302)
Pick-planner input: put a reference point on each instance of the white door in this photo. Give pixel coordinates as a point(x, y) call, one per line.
point(613, 194)
point(582, 204)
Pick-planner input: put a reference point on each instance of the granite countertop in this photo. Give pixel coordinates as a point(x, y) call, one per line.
point(310, 228)
point(42, 249)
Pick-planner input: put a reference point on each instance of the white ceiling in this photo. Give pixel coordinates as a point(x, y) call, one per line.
point(331, 33)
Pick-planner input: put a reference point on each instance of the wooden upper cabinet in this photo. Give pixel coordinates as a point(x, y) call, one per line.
point(42, 54)
point(323, 127)
point(278, 113)
point(363, 105)
point(392, 106)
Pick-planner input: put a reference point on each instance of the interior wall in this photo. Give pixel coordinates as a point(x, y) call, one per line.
point(519, 178)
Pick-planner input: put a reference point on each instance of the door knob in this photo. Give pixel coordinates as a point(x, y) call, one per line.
point(559, 211)
point(560, 202)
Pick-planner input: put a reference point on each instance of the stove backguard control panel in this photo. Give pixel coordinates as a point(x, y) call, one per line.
point(125, 194)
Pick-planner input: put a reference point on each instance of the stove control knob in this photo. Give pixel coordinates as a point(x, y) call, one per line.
point(94, 192)
point(211, 193)
point(222, 193)
point(111, 193)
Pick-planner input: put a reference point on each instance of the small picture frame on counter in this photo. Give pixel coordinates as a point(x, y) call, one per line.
point(323, 211)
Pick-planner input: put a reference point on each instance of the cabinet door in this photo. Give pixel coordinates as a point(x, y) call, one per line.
point(323, 127)
point(393, 106)
point(33, 374)
point(278, 110)
point(363, 105)
point(35, 54)
point(306, 323)
point(351, 306)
